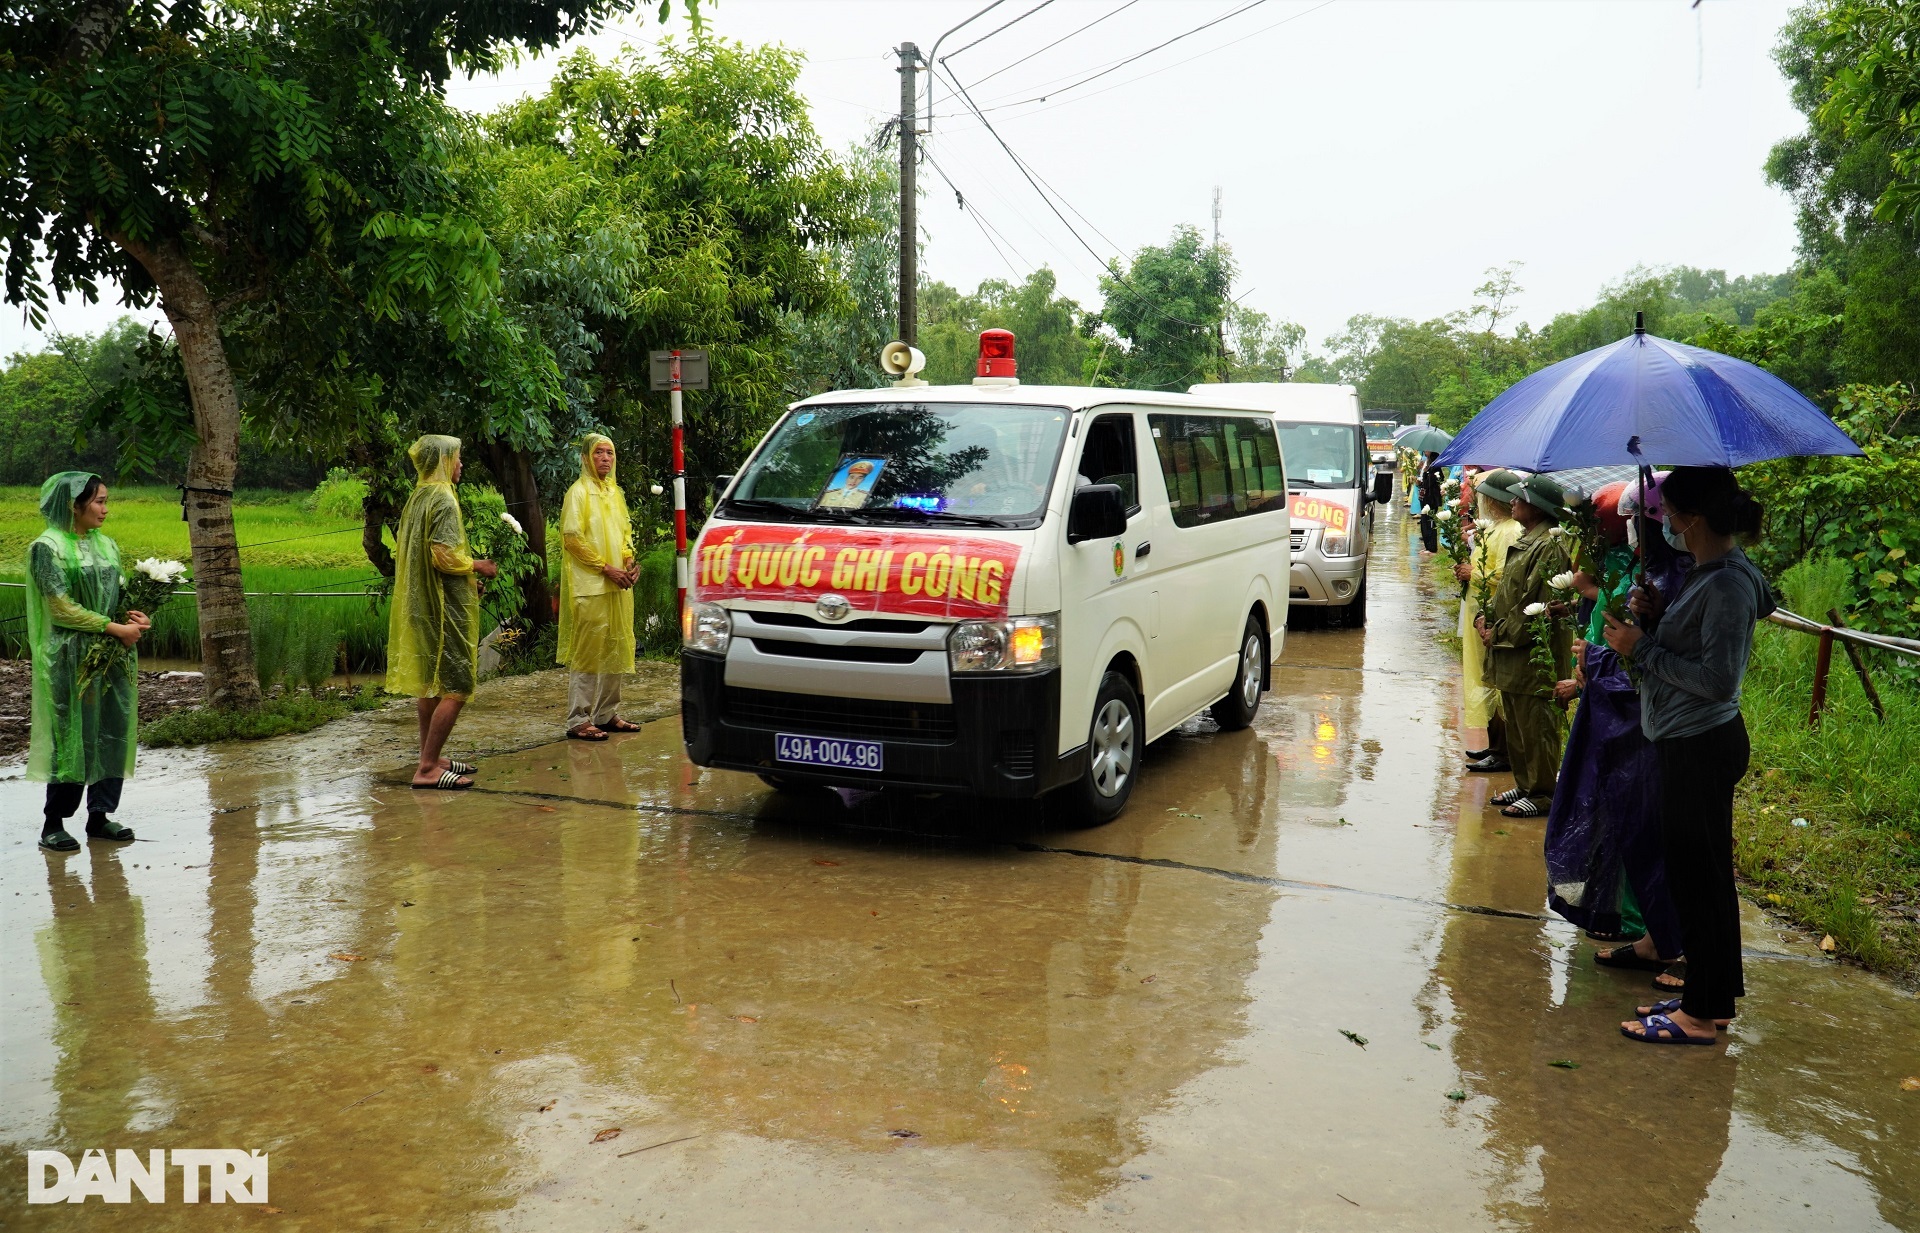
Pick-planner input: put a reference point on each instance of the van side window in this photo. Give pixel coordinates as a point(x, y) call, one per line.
point(1218, 466)
point(1109, 458)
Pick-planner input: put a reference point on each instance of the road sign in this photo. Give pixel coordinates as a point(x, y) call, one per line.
point(693, 370)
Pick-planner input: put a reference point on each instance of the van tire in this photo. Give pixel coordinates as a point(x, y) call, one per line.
point(1116, 741)
point(1237, 709)
point(1354, 615)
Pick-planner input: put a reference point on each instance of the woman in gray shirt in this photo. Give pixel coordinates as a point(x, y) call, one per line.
point(1691, 659)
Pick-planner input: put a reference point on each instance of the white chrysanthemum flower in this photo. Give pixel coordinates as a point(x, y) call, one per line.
point(1557, 532)
point(653, 622)
point(1485, 524)
point(1534, 610)
point(159, 570)
point(655, 489)
point(513, 522)
point(1561, 582)
point(1442, 515)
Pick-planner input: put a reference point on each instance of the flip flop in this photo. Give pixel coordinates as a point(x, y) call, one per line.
point(586, 734)
point(1628, 958)
point(59, 841)
point(1670, 1005)
point(111, 830)
point(448, 782)
point(1660, 1030)
point(618, 725)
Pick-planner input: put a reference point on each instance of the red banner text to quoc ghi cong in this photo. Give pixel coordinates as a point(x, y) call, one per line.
point(910, 573)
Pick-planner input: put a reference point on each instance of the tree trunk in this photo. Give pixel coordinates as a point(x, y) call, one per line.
point(513, 471)
point(226, 641)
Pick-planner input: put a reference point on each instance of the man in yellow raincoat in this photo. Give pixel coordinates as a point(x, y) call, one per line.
point(596, 595)
point(433, 630)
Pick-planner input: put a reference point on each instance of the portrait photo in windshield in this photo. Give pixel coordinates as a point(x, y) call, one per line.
point(928, 459)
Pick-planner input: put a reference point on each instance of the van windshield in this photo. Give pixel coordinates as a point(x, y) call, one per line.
point(905, 462)
point(1321, 455)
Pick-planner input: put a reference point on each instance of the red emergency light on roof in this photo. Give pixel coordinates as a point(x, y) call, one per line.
point(996, 354)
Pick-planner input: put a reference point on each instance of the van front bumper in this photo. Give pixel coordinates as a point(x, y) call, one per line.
point(998, 736)
point(1330, 581)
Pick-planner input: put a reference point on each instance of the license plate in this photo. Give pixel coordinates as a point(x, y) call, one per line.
point(828, 751)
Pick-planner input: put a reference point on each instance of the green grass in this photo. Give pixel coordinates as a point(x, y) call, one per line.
point(1854, 868)
point(278, 716)
point(274, 528)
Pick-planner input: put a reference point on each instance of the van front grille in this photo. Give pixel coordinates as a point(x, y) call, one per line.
point(819, 715)
point(866, 625)
point(842, 654)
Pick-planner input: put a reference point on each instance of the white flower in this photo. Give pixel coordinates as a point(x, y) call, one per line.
point(1557, 531)
point(653, 622)
point(168, 572)
point(1442, 515)
point(1561, 582)
point(513, 522)
point(1485, 524)
point(655, 489)
point(1534, 610)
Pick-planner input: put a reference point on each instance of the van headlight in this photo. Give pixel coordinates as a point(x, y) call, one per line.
point(706, 628)
point(1011, 644)
point(1333, 544)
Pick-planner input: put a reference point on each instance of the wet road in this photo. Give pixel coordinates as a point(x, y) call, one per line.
point(809, 1014)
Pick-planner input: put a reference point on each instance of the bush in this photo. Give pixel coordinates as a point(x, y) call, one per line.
point(656, 608)
point(341, 495)
point(288, 713)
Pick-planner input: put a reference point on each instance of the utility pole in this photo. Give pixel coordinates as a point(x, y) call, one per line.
point(1220, 327)
point(909, 223)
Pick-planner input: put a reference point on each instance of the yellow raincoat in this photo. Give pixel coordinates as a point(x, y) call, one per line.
point(596, 616)
point(433, 631)
point(1489, 559)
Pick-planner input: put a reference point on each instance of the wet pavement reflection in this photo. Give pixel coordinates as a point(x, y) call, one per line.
point(866, 1010)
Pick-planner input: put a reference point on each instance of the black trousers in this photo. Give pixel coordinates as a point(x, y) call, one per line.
point(1429, 533)
point(103, 796)
point(1697, 776)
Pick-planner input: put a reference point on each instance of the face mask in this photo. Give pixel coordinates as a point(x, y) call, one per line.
point(1675, 540)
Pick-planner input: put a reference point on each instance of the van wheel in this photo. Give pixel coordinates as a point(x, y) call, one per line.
point(1236, 710)
point(1114, 745)
point(1305, 616)
point(1354, 615)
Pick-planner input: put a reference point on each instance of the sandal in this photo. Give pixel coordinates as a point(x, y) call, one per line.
point(1491, 762)
point(620, 725)
point(1525, 807)
point(1614, 939)
point(1676, 972)
point(461, 768)
point(59, 841)
point(1508, 797)
point(1661, 1030)
point(1670, 1005)
point(448, 782)
point(1630, 959)
point(586, 732)
point(109, 829)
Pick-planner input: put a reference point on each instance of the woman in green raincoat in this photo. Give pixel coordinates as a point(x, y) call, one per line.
point(596, 595)
point(433, 627)
point(83, 731)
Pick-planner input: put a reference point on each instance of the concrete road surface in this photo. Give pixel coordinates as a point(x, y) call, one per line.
point(1306, 982)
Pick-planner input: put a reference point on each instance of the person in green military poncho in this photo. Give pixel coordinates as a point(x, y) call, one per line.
point(433, 627)
point(84, 731)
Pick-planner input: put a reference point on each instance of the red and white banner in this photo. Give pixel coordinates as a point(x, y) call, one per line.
point(908, 573)
point(1330, 513)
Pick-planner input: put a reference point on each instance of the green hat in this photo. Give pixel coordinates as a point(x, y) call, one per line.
point(1543, 494)
point(1497, 484)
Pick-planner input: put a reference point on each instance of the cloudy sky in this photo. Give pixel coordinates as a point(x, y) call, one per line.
point(1372, 155)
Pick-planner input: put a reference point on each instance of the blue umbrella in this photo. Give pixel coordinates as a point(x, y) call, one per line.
point(1646, 400)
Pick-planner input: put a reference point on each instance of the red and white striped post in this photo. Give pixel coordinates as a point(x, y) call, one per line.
point(679, 489)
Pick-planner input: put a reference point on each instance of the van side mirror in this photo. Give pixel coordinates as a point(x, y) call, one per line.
point(1099, 511)
point(1382, 487)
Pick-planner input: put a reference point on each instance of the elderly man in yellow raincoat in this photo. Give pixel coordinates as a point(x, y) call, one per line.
point(596, 595)
point(433, 629)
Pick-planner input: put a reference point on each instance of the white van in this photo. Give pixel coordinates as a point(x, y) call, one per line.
point(1331, 486)
point(992, 589)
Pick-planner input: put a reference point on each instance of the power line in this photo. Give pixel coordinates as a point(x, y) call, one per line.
point(996, 30)
point(1050, 46)
point(979, 220)
point(1116, 67)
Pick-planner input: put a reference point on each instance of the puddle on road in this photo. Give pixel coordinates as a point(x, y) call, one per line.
point(906, 1012)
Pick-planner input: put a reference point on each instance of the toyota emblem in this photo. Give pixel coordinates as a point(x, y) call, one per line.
point(833, 607)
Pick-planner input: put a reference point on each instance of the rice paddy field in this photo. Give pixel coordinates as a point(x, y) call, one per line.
point(307, 574)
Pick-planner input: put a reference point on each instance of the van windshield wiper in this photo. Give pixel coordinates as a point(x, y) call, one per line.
point(759, 505)
point(939, 515)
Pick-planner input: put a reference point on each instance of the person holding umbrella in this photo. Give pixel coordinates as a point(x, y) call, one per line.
point(1535, 715)
point(1692, 661)
point(1495, 533)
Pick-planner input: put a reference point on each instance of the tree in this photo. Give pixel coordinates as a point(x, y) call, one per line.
point(1260, 348)
point(1167, 308)
point(201, 153)
point(1048, 340)
point(1873, 93)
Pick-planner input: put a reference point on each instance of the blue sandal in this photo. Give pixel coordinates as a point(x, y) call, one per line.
point(1661, 1030)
